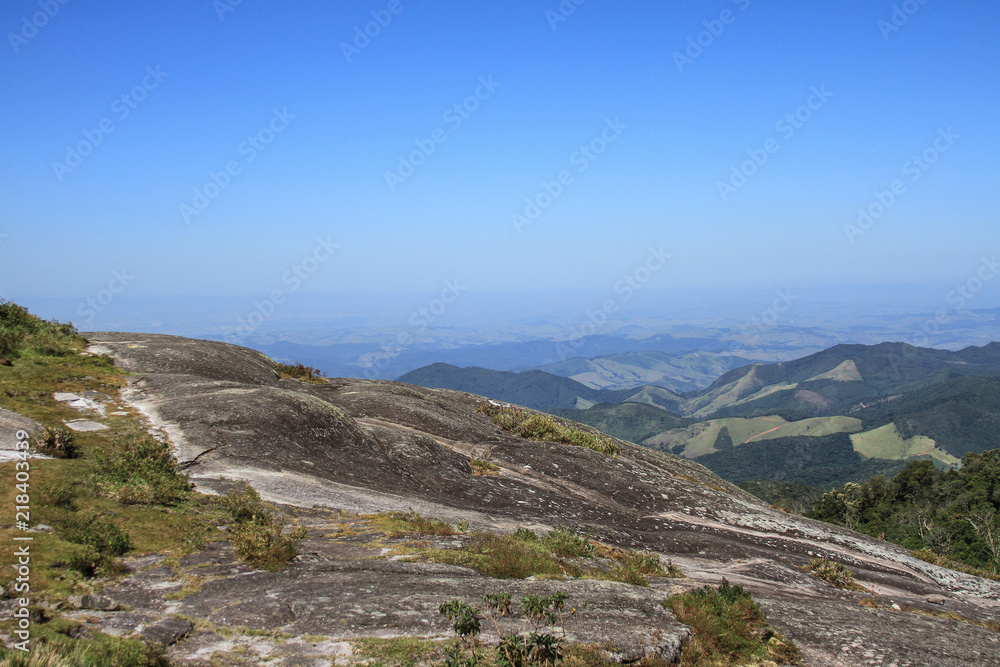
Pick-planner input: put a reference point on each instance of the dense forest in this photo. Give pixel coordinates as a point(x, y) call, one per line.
point(954, 514)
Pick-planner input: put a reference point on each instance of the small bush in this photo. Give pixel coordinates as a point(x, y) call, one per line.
point(259, 538)
point(538, 426)
point(567, 543)
point(301, 372)
point(20, 331)
point(140, 470)
point(728, 628)
point(58, 442)
point(833, 573)
point(98, 532)
point(483, 467)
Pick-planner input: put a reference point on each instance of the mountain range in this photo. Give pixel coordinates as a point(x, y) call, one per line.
point(859, 410)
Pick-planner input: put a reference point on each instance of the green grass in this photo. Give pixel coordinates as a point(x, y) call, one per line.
point(538, 426)
point(560, 553)
point(139, 470)
point(259, 536)
point(398, 651)
point(885, 442)
point(699, 439)
point(52, 646)
point(405, 524)
point(728, 628)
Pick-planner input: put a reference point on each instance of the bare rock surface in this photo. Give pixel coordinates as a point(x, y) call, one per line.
point(372, 446)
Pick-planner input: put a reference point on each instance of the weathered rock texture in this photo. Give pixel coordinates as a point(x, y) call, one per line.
point(371, 446)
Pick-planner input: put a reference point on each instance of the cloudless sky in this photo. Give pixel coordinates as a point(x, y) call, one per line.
point(225, 70)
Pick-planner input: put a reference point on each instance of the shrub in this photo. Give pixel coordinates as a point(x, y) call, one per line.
point(567, 543)
point(535, 642)
point(728, 628)
point(140, 470)
point(20, 331)
point(301, 372)
point(59, 442)
point(833, 573)
point(259, 537)
point(538, 426)
point(97, 532)
point(484, 467)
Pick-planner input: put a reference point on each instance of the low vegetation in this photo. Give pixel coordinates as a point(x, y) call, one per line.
point(560, 553)
point(298, 371)
point(482, 467)
point(259, 536)
point(139, 470)
point(105, 494)
point(728, 628)
point(538, 426)
point(833, 573)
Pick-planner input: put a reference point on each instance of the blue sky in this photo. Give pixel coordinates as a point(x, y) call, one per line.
point(329, 127)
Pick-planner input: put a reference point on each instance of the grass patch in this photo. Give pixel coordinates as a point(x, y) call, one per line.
point(301, 372)
point(506, 557)
point(259, 537)
point(635, 567)
point(139, 470)
point(728, 628)
point(833, 573)
point(411, 524)
point(538, 426)
point(562, 552)
point(398, 651)
point(52, 645)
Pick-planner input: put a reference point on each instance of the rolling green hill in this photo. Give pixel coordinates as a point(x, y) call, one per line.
point(960, 414)
point(823, 462)
point(699, 438)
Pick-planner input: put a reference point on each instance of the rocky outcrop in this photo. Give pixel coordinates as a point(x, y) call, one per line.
point(371, 446)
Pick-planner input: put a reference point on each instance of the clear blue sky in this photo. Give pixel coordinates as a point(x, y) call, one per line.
point(323, 175)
